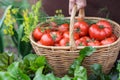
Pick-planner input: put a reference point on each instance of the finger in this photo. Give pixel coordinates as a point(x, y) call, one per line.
point(71, 4)
point(80, 4)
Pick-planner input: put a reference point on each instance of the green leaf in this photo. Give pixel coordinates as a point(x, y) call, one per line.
point(41, 60)
point(97, 73)
point(17, 72)
point(32, 62)
point(25, 48)
point(66, 78)
point(80, 73)
point(1, 42)
point(96, 68)
point(15, 3)
point(39, 75)
point(87, 51)
point(118, 68)
point(20, 33)
point(4, 15)
point(30, 57)
point(51, 76)
point(5, 60)
point(29, 61)
point(25, 4)
point(6, 76)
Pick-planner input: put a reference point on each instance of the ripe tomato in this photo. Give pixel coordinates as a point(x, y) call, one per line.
point(64, 27)
point(109, 40)
point(64, 42)
point(80, 42)
point(56, 36)
point(93, 43)
point(47, 40)
point(39, 42)
point(47, 30)
point(114, 37)
point(66, 35)
point(100, 30)
point(85, 38)
point(81, 27)
point(37, 33)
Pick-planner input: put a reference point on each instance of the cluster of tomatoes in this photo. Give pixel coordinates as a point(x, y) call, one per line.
point(97, 34)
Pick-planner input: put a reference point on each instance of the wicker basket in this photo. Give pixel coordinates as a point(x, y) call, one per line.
point(60, 58)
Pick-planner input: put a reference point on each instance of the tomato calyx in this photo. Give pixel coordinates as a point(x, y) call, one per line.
point(101, 27)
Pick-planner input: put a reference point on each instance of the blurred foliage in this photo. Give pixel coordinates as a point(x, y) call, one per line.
point(18, 21)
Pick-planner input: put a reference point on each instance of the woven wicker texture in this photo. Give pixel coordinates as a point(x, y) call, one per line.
point(60, 58)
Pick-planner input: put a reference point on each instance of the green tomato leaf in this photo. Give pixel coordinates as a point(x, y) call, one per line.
point(66, 78)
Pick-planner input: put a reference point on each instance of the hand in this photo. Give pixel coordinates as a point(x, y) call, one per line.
point(79, 3)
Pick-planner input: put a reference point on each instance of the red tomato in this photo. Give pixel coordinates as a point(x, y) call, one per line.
point(37, 33)
point(108, 40)
point(66, 35)
point(47, 30)
point(63, 27)
point(114, 37)
point(39, 42)
point(100, 30)
point(85, 38)
point(80, 42)
point(81, 27)
point(47, 40)
point(64, 42)
point(56, 36)
point(94, 43)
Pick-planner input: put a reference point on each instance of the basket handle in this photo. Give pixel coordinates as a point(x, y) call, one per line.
point(72, 20)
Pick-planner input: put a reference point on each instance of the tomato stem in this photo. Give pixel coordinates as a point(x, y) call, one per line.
point(101, 26)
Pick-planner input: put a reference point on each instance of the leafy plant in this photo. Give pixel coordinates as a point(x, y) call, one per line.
point(19, 20)
point(118, 68)
point(97, 73)
point(5, 60)
point(21, 69)
point(87, 51)
point(34, 67)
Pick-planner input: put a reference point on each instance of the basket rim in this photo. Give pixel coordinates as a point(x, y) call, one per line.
point(78, 47)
